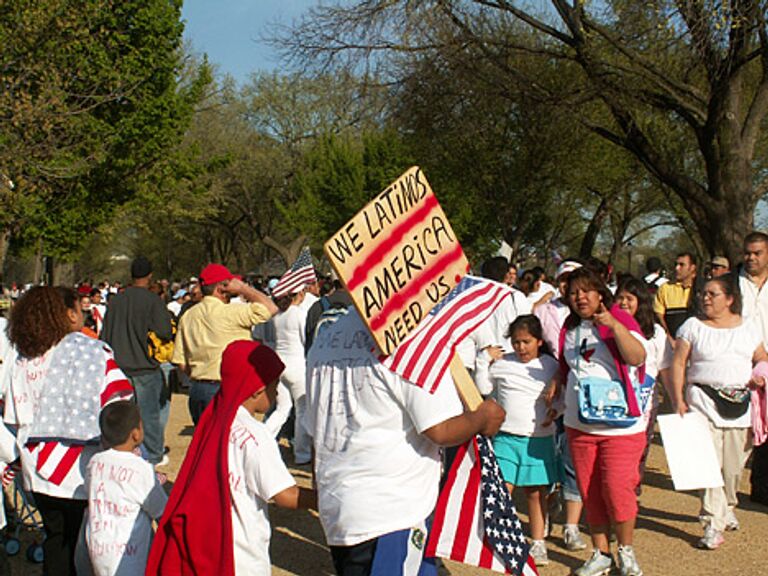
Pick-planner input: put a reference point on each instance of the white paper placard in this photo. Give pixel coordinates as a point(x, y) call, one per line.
point(690, 451)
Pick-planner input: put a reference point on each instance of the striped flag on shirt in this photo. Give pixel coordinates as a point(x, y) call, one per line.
point(475, 520)
point(297, 276)
point(426, 354)
point(55, 459)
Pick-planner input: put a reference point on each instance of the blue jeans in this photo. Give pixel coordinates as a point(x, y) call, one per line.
point(569, 485)
point(151, 398)
point(200, 395)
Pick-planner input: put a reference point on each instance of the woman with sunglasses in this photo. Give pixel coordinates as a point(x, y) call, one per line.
point(714, 356)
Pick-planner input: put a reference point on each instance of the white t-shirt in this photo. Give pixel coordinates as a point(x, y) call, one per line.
point(598, 363)
point(659, 352)
point(754, 303)
point(124, 497)
point(289, 345)
point(256, 474)
point(721, 358)
point(519, 389)
point(498, 322)
point(309, 299)
point(376, 472)
point(544, 289)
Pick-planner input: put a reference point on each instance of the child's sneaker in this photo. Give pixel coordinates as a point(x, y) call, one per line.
point(731, 522)
point(598, 565)
point(538, 551)
point(573, 540)
point(712, 539)
point(628, 565)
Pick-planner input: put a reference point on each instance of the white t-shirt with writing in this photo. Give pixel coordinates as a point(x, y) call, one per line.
point(721, 358)
point(124, 497)
point(256, 474)
point(375, 470)
point(587, 355)
point(519, 389)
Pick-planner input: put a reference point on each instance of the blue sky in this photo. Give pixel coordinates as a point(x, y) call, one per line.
point(229, 30)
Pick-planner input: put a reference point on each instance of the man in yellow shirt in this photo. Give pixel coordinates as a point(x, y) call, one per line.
point(673, 299)
point(207, 328)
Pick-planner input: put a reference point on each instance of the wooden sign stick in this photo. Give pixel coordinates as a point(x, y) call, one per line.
point(465, 386)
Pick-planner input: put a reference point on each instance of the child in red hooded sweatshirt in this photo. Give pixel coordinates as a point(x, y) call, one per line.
point(216, 520)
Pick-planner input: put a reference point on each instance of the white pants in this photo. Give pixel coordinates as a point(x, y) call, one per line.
point(287, 392)
point(732, 446)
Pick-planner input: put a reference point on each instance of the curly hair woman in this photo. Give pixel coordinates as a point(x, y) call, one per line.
point(58, 384)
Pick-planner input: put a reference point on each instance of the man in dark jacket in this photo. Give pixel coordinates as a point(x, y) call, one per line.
point(130, 317)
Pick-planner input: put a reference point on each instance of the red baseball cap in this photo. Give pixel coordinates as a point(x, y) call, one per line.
point(214, 273)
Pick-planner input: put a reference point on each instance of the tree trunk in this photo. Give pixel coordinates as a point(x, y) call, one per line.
point(288, 252)
point(5, 240)
point(590, 236)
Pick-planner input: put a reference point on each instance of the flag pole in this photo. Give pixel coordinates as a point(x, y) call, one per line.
point(465, 386)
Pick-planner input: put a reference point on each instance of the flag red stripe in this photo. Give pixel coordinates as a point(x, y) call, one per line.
point(111, 365)
point(426, 337)
point(44, 453)
point(398, 299)
point(67, 461)
point(117, 388)
point(486, 555)
point(441, 507)
point(396, 235)
point(468, 506)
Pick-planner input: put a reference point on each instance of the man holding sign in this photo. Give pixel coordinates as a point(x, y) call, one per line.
point(377, 441)
point(377, 436)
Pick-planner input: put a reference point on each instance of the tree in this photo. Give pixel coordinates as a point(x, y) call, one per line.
point(91, 101)
point(684, 83)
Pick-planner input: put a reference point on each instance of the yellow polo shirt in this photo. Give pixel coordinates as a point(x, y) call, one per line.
point(207, 328)
point(672, 304)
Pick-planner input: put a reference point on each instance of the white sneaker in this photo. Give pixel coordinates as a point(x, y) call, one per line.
point(711, 540)
point(731, 522)
point(598, 565)
point(628, 565)
point(538, 551)
point(163, 461)
point(573, 540)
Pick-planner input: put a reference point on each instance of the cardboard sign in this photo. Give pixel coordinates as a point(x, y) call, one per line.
point(397, 257)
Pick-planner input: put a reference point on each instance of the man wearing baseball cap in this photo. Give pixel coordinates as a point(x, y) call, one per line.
point(207, 328)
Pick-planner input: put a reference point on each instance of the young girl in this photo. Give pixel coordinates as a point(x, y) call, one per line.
point(524, 446)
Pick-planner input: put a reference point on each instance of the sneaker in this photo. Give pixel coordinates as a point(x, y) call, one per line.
point(731, 522)
point(711, 540)
point(538, 551)
point(598, 565)
point(163, 461)
point(628, 565)
point(573, 540)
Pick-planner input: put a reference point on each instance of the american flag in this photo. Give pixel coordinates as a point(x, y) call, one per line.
point(426, 354)
point(475, 520)
point(297, 276)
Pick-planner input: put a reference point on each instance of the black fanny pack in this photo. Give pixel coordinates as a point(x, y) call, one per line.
point(730, 404)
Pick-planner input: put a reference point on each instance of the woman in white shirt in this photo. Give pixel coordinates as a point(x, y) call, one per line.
point(632, 295)
point(719, 351)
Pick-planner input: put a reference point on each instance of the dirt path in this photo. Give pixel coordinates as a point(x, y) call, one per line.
point(667, 528)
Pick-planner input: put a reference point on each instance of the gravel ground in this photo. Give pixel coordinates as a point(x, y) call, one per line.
point(667, 528)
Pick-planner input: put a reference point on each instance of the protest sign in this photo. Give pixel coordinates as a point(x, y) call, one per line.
point(690, 451)
point(397, 258)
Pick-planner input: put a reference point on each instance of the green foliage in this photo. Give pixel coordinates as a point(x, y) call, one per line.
point(93, 103)
point(341, 174)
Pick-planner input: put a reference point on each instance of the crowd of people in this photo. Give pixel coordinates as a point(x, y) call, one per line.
point(572, 373)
